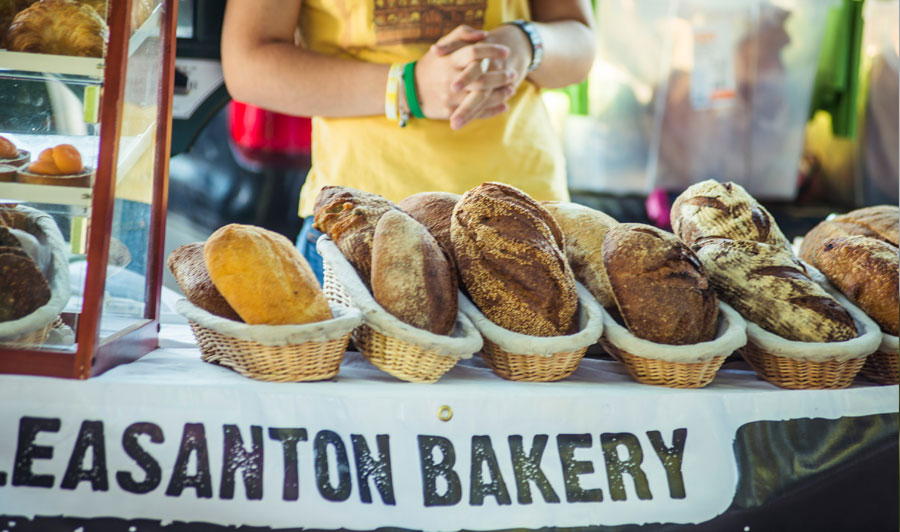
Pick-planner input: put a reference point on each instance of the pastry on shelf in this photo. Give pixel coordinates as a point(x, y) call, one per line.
point(8, 11)
point(61, 27)
point(98, 5)
point(60, 166)
point(12, 156)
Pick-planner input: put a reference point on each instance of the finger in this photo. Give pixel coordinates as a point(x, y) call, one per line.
point(487, 81)
point(470, 73)
point(469, 107)
point(476, 52)
point(488, 112)
point(456, 39)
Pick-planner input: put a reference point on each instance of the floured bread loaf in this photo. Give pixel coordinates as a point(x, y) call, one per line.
point(349, 217)
point(433, 210)
point(263, 276)
point(411, 276)
point(768, 286)
point(866, 271)
point(187, 265)
point(879, 222)
point(724, 210)
point(584, 229)
point(509, 252)
point(659, 285)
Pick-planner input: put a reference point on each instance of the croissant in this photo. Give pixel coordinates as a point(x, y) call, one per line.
point(61, 27)
point(8, 11)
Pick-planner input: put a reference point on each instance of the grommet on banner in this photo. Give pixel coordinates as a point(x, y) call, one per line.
point(445, 413)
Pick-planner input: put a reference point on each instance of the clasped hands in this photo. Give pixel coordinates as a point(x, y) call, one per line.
point(470, 74)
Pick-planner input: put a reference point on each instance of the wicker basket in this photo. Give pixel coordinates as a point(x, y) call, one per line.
point(675, 366)
point(883, 365)
point(399, 349)
point(812, 365)
point(520, 357)
point(275, 353)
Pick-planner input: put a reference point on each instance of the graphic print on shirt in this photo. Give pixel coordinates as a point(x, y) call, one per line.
point(412, 21)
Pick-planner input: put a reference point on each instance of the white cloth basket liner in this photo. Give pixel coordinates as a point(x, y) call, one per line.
point(344, 321)
point(890, 344)
point(730, 335)
point(462, 343)
point(590, 327)
point(42, 226)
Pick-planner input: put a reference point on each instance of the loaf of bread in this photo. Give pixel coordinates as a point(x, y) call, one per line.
point(725, 210)
point(349, 217)
point(263, 276)
point(433, 210)
point(879, 222)
point(769, 287)
point(583, 229)
point(509, 252)
point(411, 276)
point(659, 285)
point(23, 288)
point(187, 265)
point(866, 271)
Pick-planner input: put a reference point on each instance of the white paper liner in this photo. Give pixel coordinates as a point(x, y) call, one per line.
point(865, 344)
point(590, 327)
point(345, 320)
point(730, 335)
point(462, 343)
point(890, 344)
point(42, 226)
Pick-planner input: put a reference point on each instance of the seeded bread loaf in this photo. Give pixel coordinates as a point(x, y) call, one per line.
point(411, 276)
point(769, 287)
point(659, 285)
point(187, 265)
point(584, 229)
point(263, 276)
point(349, 217)
point(509, 252)
point(879, 222)
point(724, 210)
point(866, 271)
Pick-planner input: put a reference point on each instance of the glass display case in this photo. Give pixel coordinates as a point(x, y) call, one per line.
point(83, 181)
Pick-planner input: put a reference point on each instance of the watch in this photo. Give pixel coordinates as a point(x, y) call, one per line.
point(534, 37)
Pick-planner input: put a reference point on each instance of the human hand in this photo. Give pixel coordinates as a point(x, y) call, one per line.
point(479, 100)
point(449, 80)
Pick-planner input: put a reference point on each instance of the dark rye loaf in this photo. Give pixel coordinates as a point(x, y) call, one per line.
point(411, 276)
point(509, 252)
point(659, 285)
point(769, 287)
point(187, 265)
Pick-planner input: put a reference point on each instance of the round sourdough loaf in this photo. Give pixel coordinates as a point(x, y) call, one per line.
point(659, 285)
point(584, 229)
point(509, 252)
point(263, 276)
point(411, 276)
point(865, 270)
point(724, 210)
point(349, 217)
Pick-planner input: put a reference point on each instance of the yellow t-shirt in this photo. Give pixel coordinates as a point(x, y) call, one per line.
point(518, 147)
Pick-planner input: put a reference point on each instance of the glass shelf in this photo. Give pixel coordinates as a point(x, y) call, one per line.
point(83, 70)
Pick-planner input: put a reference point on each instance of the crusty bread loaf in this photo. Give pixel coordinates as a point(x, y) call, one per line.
point(187, 265)
point(263, 276)
point(725, 210)
point(509, 252)
point(659, 285)
point(865, 270)
point(349, 217)
point(768, 286)
point(433, 210)
point(411, 276)
point(584, 229)
point(880, 222)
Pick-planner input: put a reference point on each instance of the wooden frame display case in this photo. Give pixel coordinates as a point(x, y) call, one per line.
point(115, 111)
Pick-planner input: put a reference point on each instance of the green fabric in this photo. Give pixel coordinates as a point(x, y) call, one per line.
point(837, 76)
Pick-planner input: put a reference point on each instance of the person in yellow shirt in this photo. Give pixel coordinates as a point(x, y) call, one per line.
point(410, 96)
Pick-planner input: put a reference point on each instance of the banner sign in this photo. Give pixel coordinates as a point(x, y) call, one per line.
point(172, 438)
